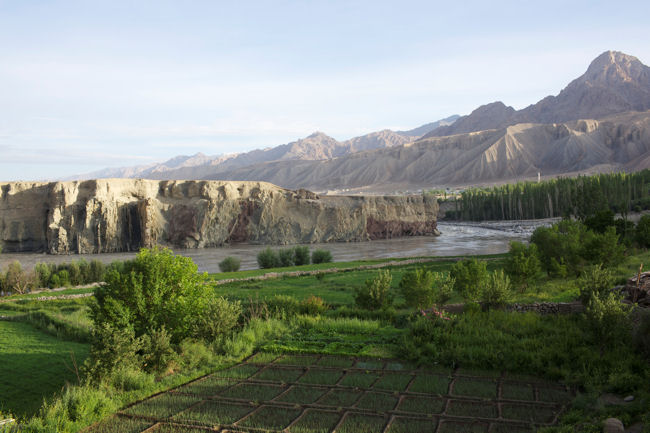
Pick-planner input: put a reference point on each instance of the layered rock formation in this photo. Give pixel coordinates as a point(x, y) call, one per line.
point(113, 215)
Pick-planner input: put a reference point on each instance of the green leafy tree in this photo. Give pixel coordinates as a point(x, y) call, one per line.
point(286, 257)
point(498, 291)
point(522, 264)
point(642, 232)
point(156, 289)
point(470, 276)
point(301, 255)
point(229, 264)
point(321, 256)
point(375, 295)
point(267, 259)
point(595, 281)
point(422, 288)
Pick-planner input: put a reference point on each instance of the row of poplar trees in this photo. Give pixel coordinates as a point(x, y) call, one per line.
point(580, 196)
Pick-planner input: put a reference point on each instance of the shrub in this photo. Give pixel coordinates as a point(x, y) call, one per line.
point(229, 264)
point(422, 288)
point(313, 305)
point(218, 319)
point(42, 272)
point(522, 264)
point(130, 379)
point(285, 257)
point(497, 291)
point(642, 335)
point(283, 306)
point(96, 271)
point(75, 273)
point(195, 354)
point(301, 255)
point(470, 276)
point(608, 318)
point(156, 289)
point(267, 259)
point(112, 348)
point(16, 279)
point(595, 281)
point(604, 248)
point(642, 232)
point(321, 256)
point(376, 293)
point(158, 351)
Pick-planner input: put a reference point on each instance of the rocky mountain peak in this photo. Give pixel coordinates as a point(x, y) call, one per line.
point(613, 67)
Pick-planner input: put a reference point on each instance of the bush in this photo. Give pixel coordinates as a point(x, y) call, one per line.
point(96, 271)
point(301, 255)
point(218, 319)
point(604, 248)
point(16, 279)
point(642, 335)
point(156, 289)
point(522, 264)
point(422, 289)
point(314, 305)
point(321, 256)
point(376, 293)
point(42, 272)
point(112, 348)
point(158, 351)
point(497, 292)
point(283, 306)
point(130, 379)
point(229, 264)
point(642, 232)
point(608, 318)
point(285, 257)
point(470, 276)
point(595, 281)
point(267, 259)
point(195, 354)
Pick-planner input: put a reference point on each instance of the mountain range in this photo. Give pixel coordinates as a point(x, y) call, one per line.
point(598, 122)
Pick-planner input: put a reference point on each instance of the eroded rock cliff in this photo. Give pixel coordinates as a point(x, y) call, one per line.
point(111, 215)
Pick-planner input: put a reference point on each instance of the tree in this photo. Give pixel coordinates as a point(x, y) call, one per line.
point(497, 291)
point(376, 293)
point(321, 256)
point(229, 264)
point(642, 231)
point(157, 289)
point(422, 288)
point(522, 263)
point(301, 255)
point(470, 276)
point(267, 259)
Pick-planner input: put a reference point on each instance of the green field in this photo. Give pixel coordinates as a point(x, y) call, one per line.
point(326, 399)
point(34, 365)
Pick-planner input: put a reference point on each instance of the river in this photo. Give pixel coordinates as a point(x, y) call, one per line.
point(456, 239)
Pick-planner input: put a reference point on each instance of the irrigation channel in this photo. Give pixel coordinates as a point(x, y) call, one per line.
point(491, 237)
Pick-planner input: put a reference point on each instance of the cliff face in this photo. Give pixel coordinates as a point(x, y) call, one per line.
point(113, 215)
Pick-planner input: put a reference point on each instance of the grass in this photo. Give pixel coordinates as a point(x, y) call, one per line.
point(512, 391)
point(299, 360)
point(462, 427)
point(393, 382)
point(239, 372)
point(369, 364)
point(378, 402)
point(321, 377)
point(536, 414)
point(422, 405)
point(340, 398)
point(409, 425)
point(359, 379)
point(475, 388)
point(214, 413)
point(471, 409)
point(34, 366)
point(355, 423)
point(208, 386)
point(253, 392)
point(263, 358)
point(508, 428)
point(279, 374)
point(162, 406)
point(168, 428)
point(302, 394)
point(120, 424)
point(553, 395)
point(430, 384)
point(335, 361)
point(271, 418)
point(316, 421)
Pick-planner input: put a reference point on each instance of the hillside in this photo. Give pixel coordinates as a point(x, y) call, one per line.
point(613, 83)
point(620, 142)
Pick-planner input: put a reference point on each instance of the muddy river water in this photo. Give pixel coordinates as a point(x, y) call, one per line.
point(456, 239)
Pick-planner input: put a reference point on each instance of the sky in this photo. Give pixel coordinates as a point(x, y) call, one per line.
point(89, 84)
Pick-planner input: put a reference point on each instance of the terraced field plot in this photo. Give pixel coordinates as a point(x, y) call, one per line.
point(322, 394)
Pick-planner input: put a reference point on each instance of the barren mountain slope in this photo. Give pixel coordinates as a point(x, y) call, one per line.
point(522, 150)
point(614, 83)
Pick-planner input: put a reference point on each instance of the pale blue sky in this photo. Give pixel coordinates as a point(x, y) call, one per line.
point(89, 84)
